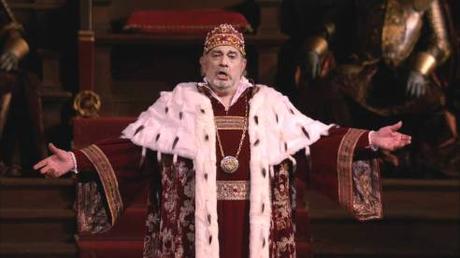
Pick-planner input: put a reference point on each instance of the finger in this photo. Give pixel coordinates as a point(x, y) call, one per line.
point(405, 136)
point(44, 170)
point(41, 164)
point(418, 90)
point(397, 126)
point(423, 90)
point(414, 89)
point(409, 89)
point(406, 139)
point(52, 148)
point(403, 141)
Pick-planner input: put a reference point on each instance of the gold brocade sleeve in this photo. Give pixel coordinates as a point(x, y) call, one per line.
point(359, 189)
point(108, 180)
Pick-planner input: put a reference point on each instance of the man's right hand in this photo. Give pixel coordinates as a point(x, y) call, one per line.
point(56, 165)
point(313, 65)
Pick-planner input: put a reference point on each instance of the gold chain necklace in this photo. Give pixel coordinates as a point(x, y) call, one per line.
point(230, 164)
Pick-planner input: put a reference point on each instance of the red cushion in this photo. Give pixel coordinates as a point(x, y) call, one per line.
point(184, 21)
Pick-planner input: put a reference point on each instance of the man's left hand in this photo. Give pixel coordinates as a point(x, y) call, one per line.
point(388, 138)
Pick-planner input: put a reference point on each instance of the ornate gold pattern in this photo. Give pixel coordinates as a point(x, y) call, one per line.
point(283, 244)
point(230, 122)
point(229, 163)
point(90, 205)
point(108, 179)
point(344, 166)
point(224, 35)
point(232, 190)
point(367, 201)
point(401, 30)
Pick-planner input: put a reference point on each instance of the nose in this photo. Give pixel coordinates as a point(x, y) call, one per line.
point(224, 61)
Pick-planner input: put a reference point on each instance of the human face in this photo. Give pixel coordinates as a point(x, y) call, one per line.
point(223, 67)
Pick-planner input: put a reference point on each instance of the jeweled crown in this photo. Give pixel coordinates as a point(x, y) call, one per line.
point(224, 35)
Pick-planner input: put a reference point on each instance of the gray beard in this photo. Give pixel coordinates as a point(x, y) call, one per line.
point(221, 86)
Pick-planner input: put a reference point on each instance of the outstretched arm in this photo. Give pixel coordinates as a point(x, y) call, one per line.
point(353, 179)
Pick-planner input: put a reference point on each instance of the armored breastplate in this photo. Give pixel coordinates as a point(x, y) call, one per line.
point(401, 30)
point(387, 29)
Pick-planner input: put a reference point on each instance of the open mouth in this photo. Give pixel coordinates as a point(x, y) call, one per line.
point(222, 75)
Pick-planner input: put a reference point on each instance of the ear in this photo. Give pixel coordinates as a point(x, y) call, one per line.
point(202, 65)
point(243, 65)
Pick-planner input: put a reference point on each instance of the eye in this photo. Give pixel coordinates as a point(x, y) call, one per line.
point(232, 55)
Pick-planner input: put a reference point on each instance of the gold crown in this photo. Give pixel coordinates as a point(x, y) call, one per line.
point(224, 35)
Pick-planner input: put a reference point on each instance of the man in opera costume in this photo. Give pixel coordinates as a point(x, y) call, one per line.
point(219, 155)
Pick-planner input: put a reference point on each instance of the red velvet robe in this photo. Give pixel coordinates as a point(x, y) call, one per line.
point(171, 187)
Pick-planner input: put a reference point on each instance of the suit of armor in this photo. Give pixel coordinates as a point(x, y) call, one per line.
point(21, 129)
point(386, 52)
point(14, 47)
point(394, 48)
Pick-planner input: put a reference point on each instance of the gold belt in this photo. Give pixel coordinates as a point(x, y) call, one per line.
point(230, 122)
point(232, 190)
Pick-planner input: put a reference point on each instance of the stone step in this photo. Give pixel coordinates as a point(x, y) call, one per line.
point(110, 248)
point(417, 239)
point(37, 193)
point(39, 249)
point(421, 219)
point(431, 200)
point(36, 225)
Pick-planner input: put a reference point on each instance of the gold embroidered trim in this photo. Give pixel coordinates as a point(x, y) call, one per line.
point(108, 179)
point(230, 122)
point(344, 166)
point(232, 190)
point(367, 200)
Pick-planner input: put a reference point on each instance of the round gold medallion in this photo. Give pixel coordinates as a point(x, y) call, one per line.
point(229, 164)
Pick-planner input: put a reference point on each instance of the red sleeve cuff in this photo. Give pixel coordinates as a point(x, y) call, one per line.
point(83, 162)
